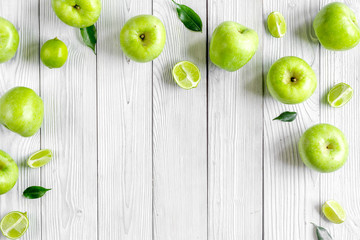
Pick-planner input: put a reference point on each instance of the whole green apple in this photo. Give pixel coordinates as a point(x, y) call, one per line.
point(54, 53)
point(291, 80)
point(21, 111)
point(9, 40)
point(142, 38)
point(77, 13)
point(9, 172)
point(324, 148)
point(232, 45)
point(336, 27)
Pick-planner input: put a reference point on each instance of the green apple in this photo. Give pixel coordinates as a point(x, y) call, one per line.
point(143, 38)
point(9, 40)
point(232, 45)
point(291, 80)
point(77, 13)
point(54, 53)
point(21, 111)
point(9, 172)
point(324, 148)
point(336, 27)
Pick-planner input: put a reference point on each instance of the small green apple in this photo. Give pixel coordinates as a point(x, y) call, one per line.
point(21, 111)
point(143, 38)
point(77, 13)
point(232, 45)
point(336, 27)
point(9, 172)
point(324, 148)
point(291, 80)
point(9, 40)
point(54, 53)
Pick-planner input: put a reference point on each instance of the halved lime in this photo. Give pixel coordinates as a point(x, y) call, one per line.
point(339, 95)
point(14, 225)
point(186, 74)
point(40, 158)
point(276, 24)
point(334, 212)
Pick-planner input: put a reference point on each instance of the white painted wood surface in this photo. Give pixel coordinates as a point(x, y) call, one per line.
point(137, 157)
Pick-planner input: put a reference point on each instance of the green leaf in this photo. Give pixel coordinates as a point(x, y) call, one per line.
point(322, 233)
point(89, 36)
point(35, 192)
point(286, 116)
point(189, 17)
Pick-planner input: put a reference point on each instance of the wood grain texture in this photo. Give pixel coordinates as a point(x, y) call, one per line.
point(291, 191)
point(125, 130)
point(22, 70)
point(69, 211)
point(179, 131)
point(342, 185)
point(235, 134)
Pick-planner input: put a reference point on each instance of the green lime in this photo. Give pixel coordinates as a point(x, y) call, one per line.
point(40, 158)
point(186, 74)
point(334, 212)
point(14, 225)
point(339, 95)
point(54, 53)
point(276, 24)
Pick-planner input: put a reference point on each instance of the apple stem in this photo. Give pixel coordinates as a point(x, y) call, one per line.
point(142, 36)
point(292, 79)
point(77, 7)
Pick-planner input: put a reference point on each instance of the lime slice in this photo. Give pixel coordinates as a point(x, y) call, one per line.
point(186, 74)
point(276, 24)
point(14, 225)
point(334, 212)
point(40, 158)
point(339, 95)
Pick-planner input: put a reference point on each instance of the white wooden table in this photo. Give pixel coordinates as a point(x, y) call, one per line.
point(138, 158)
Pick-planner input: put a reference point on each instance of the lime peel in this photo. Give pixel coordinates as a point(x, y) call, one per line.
point(339, 95)
point(40, 158)
point(18, 228)
point(186, 74)
point(334, 212)
point(276, 24)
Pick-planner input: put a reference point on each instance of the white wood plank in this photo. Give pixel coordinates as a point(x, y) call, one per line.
point(69, 211)
point(291, 191)
point(22, 70)
point(125, 130)
point(235, 133)
point(342, 185)
point(179, 131)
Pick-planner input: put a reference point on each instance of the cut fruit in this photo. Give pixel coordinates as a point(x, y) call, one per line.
point(334, 212)
point(40, 158)
point(14, 225)
point(186, 74)
point(339, 95)
point(276, 24)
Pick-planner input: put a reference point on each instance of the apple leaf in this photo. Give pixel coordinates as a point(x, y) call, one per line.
point(188, 17)
point(35, 192)
point(89, 36)
point(286, 116)
point(322, 233)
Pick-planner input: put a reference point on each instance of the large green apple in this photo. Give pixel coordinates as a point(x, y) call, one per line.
point(336, 27)
point(9, 40)
point(77, 13)
point(291, 80)
point(142, 38)
point(9, 172)
point(232, 45)
point(21, 111)
point(324, 148)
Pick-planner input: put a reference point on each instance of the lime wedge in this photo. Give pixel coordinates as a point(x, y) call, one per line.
point(40, 158)
point(14, 225)
point(276, 24)
point(186, 74)
point(334, 212)
point(339, 95)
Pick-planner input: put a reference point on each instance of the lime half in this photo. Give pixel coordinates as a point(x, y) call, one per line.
point(14, 225)
point(276, 24)
point(186, 74)
point(339, 95)
point(334, 212)
point(40, 158)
